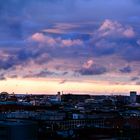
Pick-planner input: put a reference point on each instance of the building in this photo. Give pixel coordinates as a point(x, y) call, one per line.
point(17, 130)
point(133, 96)
point(58, 96)
point(56, 99)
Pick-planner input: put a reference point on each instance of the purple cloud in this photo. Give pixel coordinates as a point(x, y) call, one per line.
point(67, 33)
point(126, 69)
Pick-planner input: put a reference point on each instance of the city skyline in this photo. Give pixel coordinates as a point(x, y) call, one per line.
point(78, 46)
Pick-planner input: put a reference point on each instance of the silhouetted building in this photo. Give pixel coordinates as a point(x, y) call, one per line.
point(133, 96)
point(17, 130)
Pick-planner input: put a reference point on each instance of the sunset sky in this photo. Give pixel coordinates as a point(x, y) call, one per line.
point(77, 46)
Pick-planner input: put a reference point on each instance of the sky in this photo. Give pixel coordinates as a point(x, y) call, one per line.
point(76, 46)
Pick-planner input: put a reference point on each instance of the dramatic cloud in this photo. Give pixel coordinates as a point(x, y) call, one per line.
point(114, 28)
point(54, 42)
point(41, 38)
point(70, 39)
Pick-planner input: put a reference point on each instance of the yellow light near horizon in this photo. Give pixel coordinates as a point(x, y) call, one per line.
point(53, 85)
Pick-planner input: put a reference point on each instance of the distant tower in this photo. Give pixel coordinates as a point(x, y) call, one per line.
point(133, 96)
point(59, 96)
